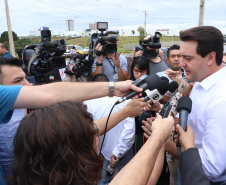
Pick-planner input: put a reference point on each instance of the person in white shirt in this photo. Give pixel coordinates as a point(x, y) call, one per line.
point(201, 57)
point(117, 147)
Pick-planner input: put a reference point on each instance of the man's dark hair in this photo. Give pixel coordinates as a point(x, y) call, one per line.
point(209, 39)
point(110, 32)
point(10, 61)
point(173, 47)
point(100, 78)
point(3, 45)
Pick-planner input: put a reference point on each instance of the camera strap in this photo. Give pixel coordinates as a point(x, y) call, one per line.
point(113, 66)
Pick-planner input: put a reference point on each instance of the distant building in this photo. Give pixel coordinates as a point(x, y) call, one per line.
point(70, 25)
point(93, 26)
point(37, 33)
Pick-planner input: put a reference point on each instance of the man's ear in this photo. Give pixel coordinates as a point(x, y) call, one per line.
point(167, 60)
point(211, 58)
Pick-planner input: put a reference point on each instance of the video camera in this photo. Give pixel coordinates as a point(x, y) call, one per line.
point(44, 61)
point(153, 43)
point(97, 38)
point(82, 65)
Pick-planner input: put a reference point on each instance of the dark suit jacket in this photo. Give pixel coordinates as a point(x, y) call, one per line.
point(191, 170)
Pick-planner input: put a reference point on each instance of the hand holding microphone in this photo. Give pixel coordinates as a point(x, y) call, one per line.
point(184, 108)
point(150, 83)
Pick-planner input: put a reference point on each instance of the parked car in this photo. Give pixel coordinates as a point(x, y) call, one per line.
point(80, 50)
point(86, 49)
point(70, 50)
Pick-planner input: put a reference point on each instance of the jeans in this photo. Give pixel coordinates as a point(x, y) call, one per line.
point(120, 164)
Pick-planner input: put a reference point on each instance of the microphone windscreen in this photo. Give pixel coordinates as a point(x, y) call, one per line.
point(173, 86)
point(50, 45)
point(153, 81)
point(164, 87)
point(164, 78)
point(184, 103)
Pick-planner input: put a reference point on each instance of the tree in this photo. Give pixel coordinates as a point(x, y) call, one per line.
point(133, 32)
point(140, 29)
point(5, 38)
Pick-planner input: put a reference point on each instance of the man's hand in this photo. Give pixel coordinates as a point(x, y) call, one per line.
point(187, 139)
point(124, 87)
point(162, 128)
point(135, 107)
point(155, 107)
point(116, 60)
point(147, 126)
point(100, 58)
point(113, 160)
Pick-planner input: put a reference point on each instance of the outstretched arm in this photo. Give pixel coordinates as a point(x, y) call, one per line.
point(44, 95)
point(132, 109)
point(138, 170)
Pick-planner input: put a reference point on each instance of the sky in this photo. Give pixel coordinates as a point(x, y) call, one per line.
point(125, 16)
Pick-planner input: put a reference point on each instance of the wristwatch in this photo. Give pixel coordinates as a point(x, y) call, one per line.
point(111, 89)
point(98, 64)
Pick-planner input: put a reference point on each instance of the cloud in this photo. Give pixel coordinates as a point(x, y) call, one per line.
point(29, 15)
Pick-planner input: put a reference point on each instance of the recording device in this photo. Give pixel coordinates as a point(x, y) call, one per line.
point(184, 108)
point(110, 170)
point(157, 94)
point(140, 80)
point(97, 38)
point(184, 87)
point(152, 43)
point(150, 82)
point(170, 107)
point(44, 61)
point(154, 96)
point(172, 102)
point(82, 65)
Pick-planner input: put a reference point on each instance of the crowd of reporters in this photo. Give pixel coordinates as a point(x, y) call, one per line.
point(58, 143)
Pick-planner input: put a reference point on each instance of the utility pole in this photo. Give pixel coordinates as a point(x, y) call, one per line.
point(10, 35)
point(145, 13)
point(201, 12)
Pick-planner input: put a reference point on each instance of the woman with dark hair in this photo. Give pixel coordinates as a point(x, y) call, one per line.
point(57, 145)
point(139, 67)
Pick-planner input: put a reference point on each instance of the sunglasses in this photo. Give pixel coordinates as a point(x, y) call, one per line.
point(139, 71)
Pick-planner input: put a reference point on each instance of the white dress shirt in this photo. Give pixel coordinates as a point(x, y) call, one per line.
point(120, 138)
point(208, 121)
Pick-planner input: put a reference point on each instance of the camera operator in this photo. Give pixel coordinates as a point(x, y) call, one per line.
point(113, 65)
point(151, 51)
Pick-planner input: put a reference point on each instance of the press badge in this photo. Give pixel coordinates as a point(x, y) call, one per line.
point(115, 76)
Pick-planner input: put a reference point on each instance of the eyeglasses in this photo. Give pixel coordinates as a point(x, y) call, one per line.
point(139, 71)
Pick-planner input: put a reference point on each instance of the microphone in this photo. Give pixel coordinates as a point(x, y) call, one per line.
point(151, 82)
point(184, 108)
point(171, 104)
point(154, 96)
point(157, 93)
point(140, 80)
point(50, 45)
point(164, 78)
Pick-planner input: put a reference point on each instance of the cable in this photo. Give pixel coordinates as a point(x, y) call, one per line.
point(106, 127)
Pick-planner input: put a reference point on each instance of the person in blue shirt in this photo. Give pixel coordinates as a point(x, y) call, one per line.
point(4, 51)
